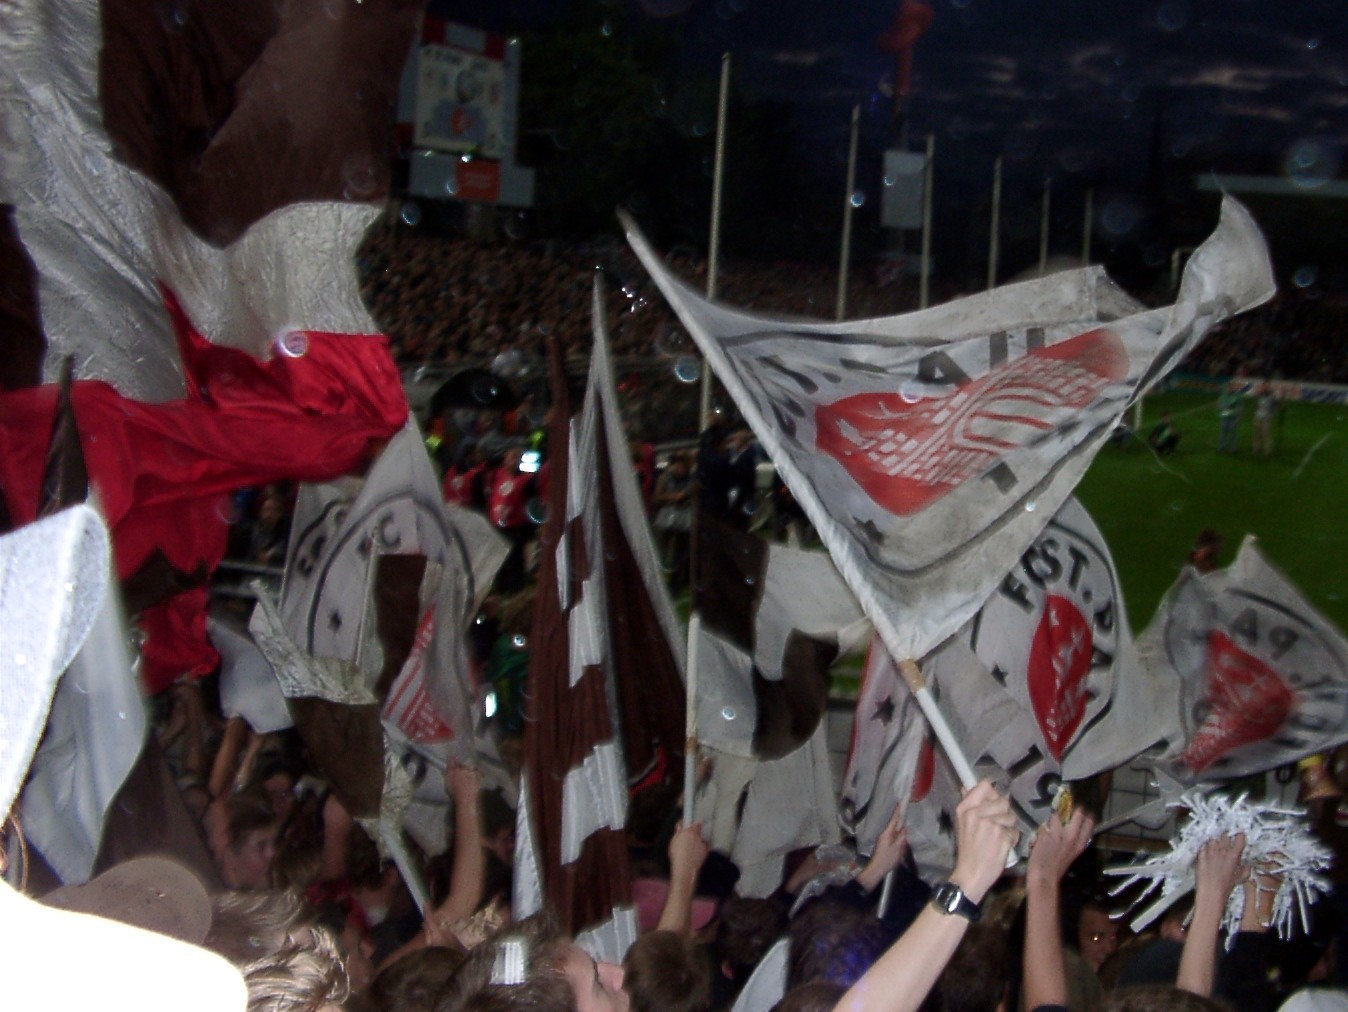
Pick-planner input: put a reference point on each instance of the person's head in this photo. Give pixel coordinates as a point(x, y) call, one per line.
point(664, 970)
point(816, 997)
point(745, 930)
point(555, 975)
point(412, 983)
point(975, 979)
point(1158, 998)
point(1097, 935)
point(241, 833)
point(833, 942)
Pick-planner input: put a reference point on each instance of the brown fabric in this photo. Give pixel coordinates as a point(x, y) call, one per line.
point(649, 683)
point(731, 570)
point(346, 745)
point(208, 98)
point(563, 724)
point(65, 479)
point(21, 336)
point(397, 586)
point(789, 710)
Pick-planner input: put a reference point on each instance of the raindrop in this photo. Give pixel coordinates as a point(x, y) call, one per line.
point(1030, 506)
point(1132, 93)
point(857, 199)
point(225, 509)
point(687, 369)
point(411, 214)
point(1311, 163)
point(360, 177)
point(1177, 507)
point(749, 581)
point(452, 186)
point(517, 641)
point(1118, 217)
point(891, 179)
point(606, 29)
point(537, 511)
point(484, 391)
point(1313, 43)
point(728, 712)
point(1305, 276)
point(910, 392)
point(292, 343)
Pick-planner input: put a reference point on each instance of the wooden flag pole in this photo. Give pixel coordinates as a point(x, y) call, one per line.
point(845, 254)
point(690, 719)
point(714, 240)
point(994, 229)
point(928, 177)
point(912, 676)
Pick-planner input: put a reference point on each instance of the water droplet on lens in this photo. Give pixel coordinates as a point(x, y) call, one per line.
point(1030, 506)
point(537, 511)
point(728, 712)
point(1312, 43)
point(411, 214)
point(909, 392)
point(858, 198)
point(1305, 276)
point(687, 369)
point(517, 641)
point(1177, 507)
point(891, 179)
point(292, 343)
point(452, 187)
point(1311, 163)
point(360, 177)
point(749, 581)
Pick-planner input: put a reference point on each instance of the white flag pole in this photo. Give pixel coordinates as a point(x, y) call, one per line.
point(912, 676)
point(714, 242)
point(928, 175)
point(845, 255)
point(994, 231)
point(690, 719)
point(416, 885)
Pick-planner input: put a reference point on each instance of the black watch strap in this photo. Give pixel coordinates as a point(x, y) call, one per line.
point(950, 899)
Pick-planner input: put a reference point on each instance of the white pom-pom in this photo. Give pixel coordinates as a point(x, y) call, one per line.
point(1278, 843)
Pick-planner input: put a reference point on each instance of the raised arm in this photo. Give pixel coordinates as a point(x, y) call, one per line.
point(889, 851)
point(1055, 848)
point(1217, 871)
point(469, 870)
point(687, 852)
point(900, 979)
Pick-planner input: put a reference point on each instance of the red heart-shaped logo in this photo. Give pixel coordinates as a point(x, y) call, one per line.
point(1247, 702)
point(907, 452)
point(925, 773)
point(1060, 660)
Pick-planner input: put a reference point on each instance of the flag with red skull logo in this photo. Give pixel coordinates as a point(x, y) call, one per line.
point(1260, 676)
point(929, 449)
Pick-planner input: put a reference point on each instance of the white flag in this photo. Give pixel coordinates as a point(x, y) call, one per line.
point(930, 449)
point(1261, 675)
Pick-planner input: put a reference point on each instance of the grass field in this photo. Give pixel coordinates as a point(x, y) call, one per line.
point(1295, 502)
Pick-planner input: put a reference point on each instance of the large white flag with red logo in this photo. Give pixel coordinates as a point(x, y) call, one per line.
point(1262, 676)
point(1043, 685)
point(930, 449)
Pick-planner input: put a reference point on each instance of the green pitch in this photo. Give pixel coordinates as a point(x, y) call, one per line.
point(1295, 501)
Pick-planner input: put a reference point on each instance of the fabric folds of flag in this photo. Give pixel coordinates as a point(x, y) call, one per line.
point(1259, 677)
point(187, 190)
point(605, 671)
point(929, 449)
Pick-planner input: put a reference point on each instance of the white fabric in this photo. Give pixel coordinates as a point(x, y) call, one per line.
point(248, 685)
point(94, 736)
point(102, 236)
point(526, 896)
point(58, 959)
point(53, 577)
point(1237, 645)
point(594, 797)
point(608, 942)
point(951, 498)
point(766, 986)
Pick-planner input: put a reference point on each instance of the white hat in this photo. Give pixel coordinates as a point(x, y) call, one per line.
point(53, 574)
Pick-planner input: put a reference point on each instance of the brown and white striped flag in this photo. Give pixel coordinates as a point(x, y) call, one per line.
point(605, 671)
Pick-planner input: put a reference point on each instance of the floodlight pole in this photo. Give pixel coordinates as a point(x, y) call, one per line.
point(994, 231)
point(714, 244)
point(928, 175)
point(1043, 227)
point(1086, 228)
point(844, 257)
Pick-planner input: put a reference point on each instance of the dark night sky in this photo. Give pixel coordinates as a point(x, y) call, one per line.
point(1088, 92)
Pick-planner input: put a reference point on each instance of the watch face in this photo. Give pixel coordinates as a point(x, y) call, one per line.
point(948, 897)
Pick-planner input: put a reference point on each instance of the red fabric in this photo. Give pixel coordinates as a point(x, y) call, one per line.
point(509, 495)
point(163, 473)
point(458, 486)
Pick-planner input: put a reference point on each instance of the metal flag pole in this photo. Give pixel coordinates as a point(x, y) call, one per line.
point(1043, 227)
point(845, 255)
point(690, 719)
point(928, 174)
point(1086, 229)
point(714, 243)
point(994, 231)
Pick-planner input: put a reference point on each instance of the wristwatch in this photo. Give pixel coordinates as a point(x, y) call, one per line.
point(950, 899)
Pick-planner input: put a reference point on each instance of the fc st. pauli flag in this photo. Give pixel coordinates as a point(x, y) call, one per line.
point(1262, 677)
point(930, 449)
